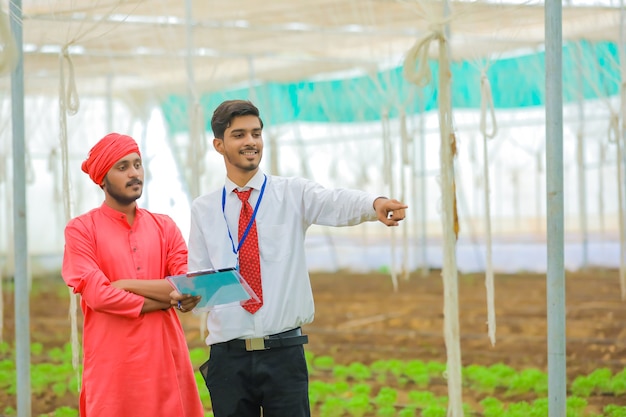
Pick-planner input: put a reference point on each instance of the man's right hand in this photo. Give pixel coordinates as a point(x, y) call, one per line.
point(183, 302)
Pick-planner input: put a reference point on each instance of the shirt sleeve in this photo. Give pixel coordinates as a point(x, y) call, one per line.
point(336, 207)
point(82, 273)
point(198, 252)
point(176, 250)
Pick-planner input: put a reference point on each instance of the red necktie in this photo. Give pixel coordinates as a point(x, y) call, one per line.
point(249, 265)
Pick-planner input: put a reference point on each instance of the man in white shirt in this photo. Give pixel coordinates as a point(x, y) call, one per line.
point(257, 357)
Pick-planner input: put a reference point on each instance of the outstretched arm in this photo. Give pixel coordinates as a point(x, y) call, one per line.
point(389, 211)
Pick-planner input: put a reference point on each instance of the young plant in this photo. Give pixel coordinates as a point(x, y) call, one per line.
point(359, 372)
point(386, 397)
point(332, 407)
point(492, 407)
point(417, 372)
point(359, 405)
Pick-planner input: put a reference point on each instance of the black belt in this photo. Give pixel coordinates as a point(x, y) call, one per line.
point(292, 337)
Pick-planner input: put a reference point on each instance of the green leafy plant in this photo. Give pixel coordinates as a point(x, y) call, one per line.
point(358, 405)
point(614, 411)
point(598, 381)
point(341, 372)
point(361, 388)
point(386, 397)
point(359, 371)
point(318, 392)
point(65, 412)
point(492, 407)
point(575, 406)
point(418, 373)
point(434, 410)
point(407, 412)
point(332, 407)
point(481, 379)
point(421, 399)
point(386, 411)
point(324, 362)
point(617, 385)
point(529, 380)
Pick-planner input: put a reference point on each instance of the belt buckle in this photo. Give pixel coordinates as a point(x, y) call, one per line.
point(257, 343)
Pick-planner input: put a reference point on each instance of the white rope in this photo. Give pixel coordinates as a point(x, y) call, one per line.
point(450, 230)
point(415, 67)
point(1, 307)
point(486, 107)
point(406, 160)
point(8, 48)
point(64, 97)
point(620, 198)
point(388, 177)
point(618, 123)
point(417, 57)
point(618, 139)
point(71, 100)
point(2, 180)
point(601, 162)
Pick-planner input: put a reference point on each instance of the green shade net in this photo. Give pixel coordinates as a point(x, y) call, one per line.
point(590, 70)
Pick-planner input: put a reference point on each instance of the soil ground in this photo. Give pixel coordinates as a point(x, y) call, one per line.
point(360, 318)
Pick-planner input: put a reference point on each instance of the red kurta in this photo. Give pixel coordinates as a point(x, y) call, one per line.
point(134, 364)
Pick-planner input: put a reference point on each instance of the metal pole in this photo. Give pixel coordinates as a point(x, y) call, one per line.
point(557, 393)
point(22, 311)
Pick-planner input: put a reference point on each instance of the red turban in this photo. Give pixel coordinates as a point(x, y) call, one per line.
point(106, 153)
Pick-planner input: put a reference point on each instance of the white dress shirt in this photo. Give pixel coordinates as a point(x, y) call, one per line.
point(289, 206)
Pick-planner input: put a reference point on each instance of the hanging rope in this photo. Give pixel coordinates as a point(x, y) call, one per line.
point(486, 108)
point(450, 223)
point(619, 141)
point(417, 58)
point(601, 162)
point(614, 135)
point(8, 49)
point(388, 177)
point(406, 161)
point(68, 104)
point(71, 101)
point(3, 168)
point(415, 67)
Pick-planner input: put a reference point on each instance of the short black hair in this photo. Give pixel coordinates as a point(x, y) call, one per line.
point(227, 111)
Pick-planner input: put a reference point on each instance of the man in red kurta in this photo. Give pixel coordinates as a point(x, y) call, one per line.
point(136, 361)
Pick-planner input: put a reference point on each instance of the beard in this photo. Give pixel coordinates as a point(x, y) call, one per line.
point(236, 160)
point(119, 196)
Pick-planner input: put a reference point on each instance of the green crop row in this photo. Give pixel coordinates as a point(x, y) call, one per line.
point(382, 388)
point(480, 379)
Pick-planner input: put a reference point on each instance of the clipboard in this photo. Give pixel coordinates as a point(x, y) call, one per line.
point(218, 288)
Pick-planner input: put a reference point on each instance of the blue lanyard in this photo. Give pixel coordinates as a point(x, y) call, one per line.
point(245, 233)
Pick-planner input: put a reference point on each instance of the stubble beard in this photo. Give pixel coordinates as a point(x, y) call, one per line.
point(121, 199)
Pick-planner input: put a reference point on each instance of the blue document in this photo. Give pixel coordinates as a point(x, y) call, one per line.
point(217, 287)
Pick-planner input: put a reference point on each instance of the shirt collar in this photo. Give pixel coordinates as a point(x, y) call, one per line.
point(255, 182)
point(111, 212)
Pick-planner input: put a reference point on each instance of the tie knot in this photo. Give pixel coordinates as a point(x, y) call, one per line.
point(243, 195)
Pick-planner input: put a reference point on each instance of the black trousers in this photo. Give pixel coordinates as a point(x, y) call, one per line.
point(243, 383)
